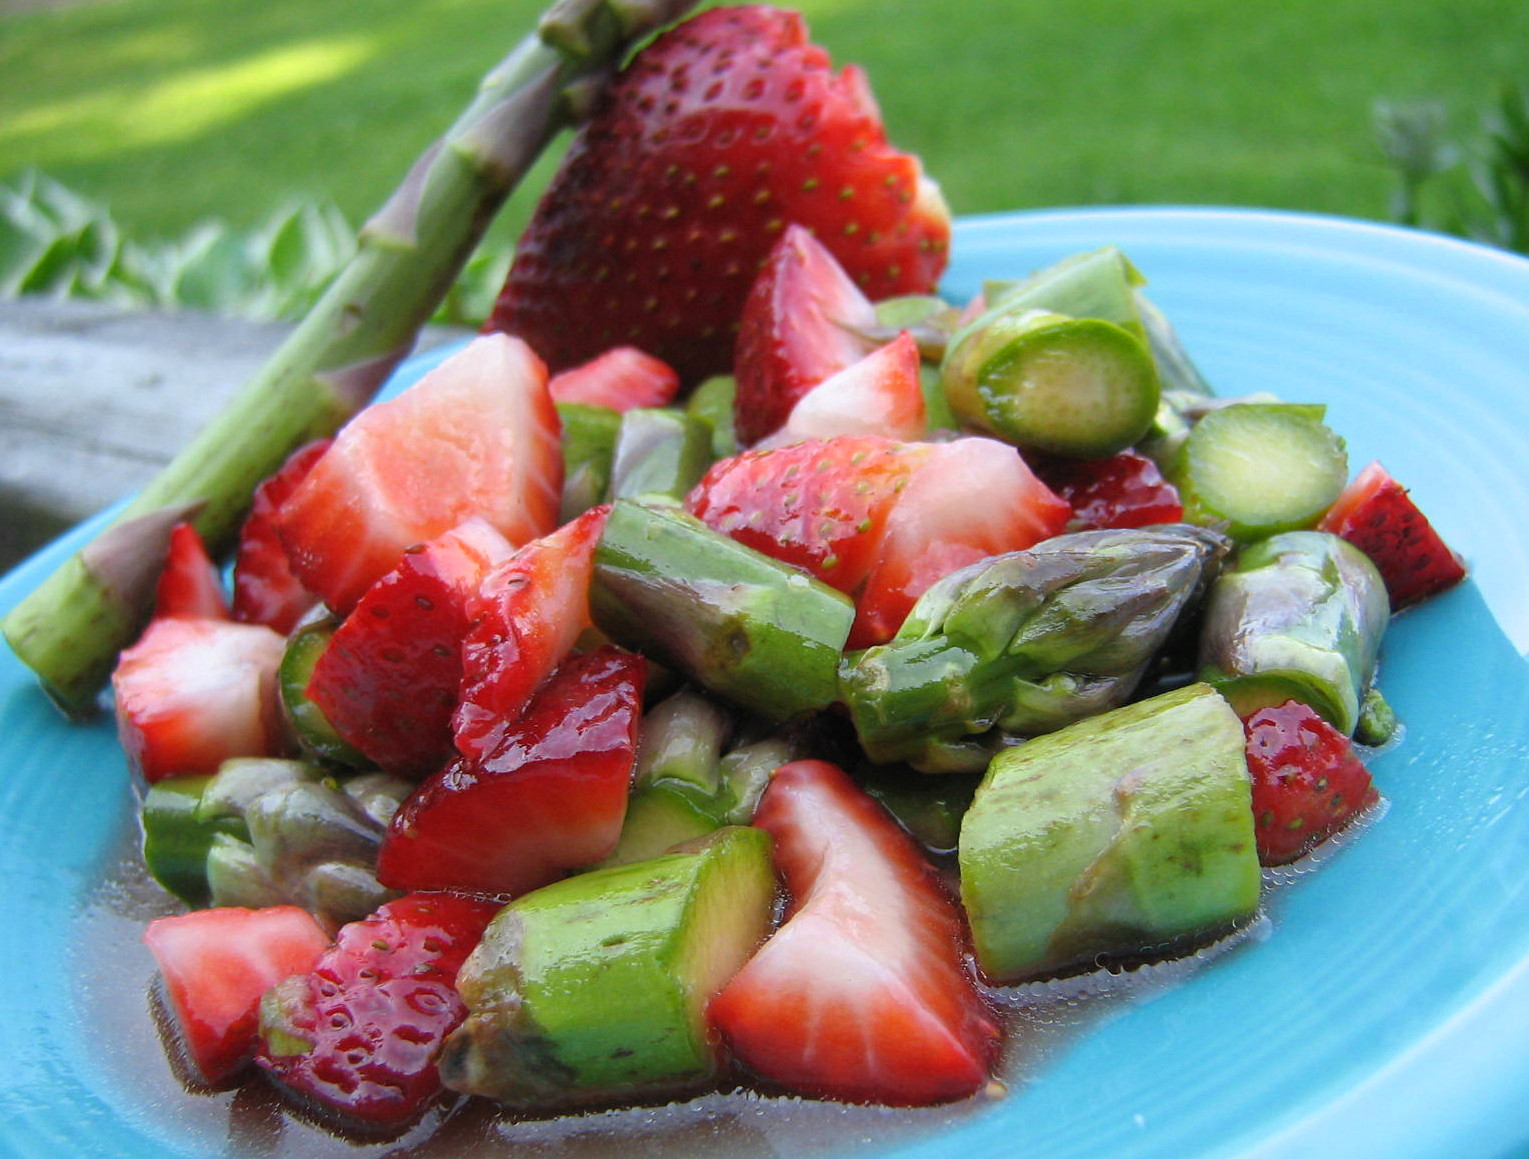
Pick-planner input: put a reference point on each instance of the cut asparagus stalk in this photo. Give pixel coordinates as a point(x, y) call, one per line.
point(712, 402)
point(1024, 643)
point(589, 443)
point(681, 740)
point(1260, 468)
point(1065, 385)
point(1101, 283)
point(749, 628)
point(71, 628)
point(1300, 617)
point(660, 454)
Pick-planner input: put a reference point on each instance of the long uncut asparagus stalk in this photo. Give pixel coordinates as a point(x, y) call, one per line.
point(71, 628)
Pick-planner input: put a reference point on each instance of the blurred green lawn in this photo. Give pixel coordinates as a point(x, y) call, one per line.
point(172, 111)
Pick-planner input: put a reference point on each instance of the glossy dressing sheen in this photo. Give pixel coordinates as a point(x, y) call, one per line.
point(120, 1010)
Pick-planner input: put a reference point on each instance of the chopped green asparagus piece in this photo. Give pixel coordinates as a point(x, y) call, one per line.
point(681, 739)
point(1064, 385)
point(236, 877)
point(1128, 830)
point(712, 402)
point(1259, 468)
point(929, 808)
point(177, 836)
point(660, 455)
point(1025, 643)
point(315, 735)
point(660, 816)
point(595, 988)
point(242, 781)
point(1100, 283)
point(1378, 722)
point(746, 771)
point(749, 628)
point(1300, 616)
point(589, 444)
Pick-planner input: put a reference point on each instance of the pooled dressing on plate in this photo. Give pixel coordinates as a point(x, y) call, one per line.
point(120, 1013)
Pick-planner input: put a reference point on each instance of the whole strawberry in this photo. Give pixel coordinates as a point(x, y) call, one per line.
point(716, 137)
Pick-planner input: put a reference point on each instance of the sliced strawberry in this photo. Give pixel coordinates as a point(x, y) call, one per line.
point(357, 1035)
point(190, 584)
point(478, 435)
point(525, 618)
point(1377, 515)
point(821, 505)
point(265, 590)
point(550, 798)
point(388, 680)
point(191, 693)
point(716, 137)
point(881, 394)
point(216, 965)
point(622, 378)
point(878, 520)
point(1124, 490)
point(796, 329)
point(1307, 782)
point(973, 498)
point(861, 995)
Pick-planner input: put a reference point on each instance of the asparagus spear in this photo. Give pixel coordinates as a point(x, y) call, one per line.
point(1024, 643)
point(71, 628)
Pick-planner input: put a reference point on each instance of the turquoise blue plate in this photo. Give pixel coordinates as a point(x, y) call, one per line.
point(1382, 1009)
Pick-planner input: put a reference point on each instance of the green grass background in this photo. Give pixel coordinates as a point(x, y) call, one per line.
point(173, 111)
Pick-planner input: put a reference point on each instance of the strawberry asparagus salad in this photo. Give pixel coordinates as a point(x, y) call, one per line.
point(737, 666)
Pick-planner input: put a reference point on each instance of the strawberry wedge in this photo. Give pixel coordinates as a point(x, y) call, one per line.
point(265, 590)
point(862, 994)
point(622, 378)
point(195, 691)
point(549, 798)
point(973, 498)
point(881, 394)
point(388, 680)
point(713, 141)
point(216, 965)
point(1377, 515)
point(525, 617)
point(356, 1036)
point(797, 329)
point(878, 519)
point(189, 584)
point(478, 435)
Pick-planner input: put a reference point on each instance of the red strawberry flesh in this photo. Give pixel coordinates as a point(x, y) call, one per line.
point(194, 692)
point(478, 435)
point(265, 590)
point(622, 378)
point(862, 995)
point(1124, 490)
point(189, 584)
point(1377, 515)
point(357, 1037)
point(1307, 781)
point(550, 798)
point(216, 965)
point(821, 505)
point(797, 329)
point(388, 680)
point(525, 617)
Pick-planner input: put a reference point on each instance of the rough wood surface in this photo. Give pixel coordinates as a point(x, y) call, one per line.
point(94, 400)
